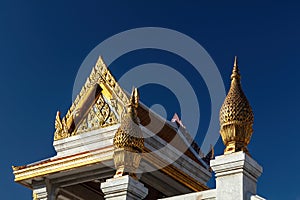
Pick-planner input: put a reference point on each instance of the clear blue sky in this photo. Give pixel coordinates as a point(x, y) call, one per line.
point(42, 45)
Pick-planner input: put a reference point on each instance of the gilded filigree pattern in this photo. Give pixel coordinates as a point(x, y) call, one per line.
point(129, 134)
point(99, 75)
point(60, 128)
point(236, 116)
point(128, 140)
point(99, 116)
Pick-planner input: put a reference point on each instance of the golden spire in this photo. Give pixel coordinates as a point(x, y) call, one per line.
point(235, 71)
point(128, 140)
point(236, 116)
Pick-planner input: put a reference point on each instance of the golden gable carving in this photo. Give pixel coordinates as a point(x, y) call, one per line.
point(100, 103)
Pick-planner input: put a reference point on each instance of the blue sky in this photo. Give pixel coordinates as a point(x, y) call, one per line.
point(42, 45)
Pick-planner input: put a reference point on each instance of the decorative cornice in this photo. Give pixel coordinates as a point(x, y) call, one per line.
point(91, 158)
point(62, 164)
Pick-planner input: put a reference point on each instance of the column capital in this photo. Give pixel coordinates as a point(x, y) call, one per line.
point(234, 163)
point(123, 188)
point(236, 176)
point(40, 193)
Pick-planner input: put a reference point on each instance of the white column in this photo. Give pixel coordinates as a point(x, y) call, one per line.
point(236, 176)
point(123, 188)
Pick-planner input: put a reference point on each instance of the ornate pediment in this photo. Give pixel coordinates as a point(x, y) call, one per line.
point(101, 114)
point(100, 103)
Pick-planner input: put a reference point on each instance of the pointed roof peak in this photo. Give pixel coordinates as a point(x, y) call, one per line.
point(235, 70)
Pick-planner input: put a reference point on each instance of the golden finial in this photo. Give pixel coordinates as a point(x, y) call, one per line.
point(134, 98)
point(128, 140)
point(236, 116)
point(235, 64)
point(235, 71)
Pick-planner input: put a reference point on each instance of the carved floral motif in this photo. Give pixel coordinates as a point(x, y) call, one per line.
point(100, 114)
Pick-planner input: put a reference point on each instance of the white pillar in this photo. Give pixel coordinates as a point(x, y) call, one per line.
point(123, 188)
point(236, 176)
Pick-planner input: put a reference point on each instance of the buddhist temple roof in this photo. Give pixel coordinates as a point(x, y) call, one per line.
point(99, 107)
